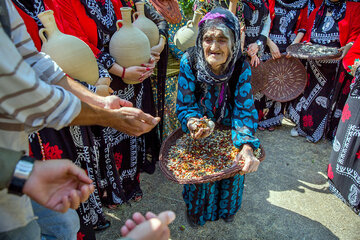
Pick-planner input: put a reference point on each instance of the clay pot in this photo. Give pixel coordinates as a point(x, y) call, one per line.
point(129, 45)
point(185, 37)
point(73, 55)
point(146, 25)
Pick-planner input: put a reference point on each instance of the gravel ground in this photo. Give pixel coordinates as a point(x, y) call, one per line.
point(287, 198)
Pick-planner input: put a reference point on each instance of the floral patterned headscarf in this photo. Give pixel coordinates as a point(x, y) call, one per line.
point(204, 73)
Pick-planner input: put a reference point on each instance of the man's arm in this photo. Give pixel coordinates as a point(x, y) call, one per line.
point(129, 120)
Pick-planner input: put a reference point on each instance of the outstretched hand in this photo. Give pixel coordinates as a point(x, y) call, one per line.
point(58, 185)
point(148, 227)
point(132, 121)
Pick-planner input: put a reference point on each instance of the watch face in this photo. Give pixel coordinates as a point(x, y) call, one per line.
point(23, 169)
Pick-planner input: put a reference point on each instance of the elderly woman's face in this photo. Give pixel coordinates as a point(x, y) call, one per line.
point(216, 48)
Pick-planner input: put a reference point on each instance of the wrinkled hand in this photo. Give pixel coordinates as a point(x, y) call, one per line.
point(58, 185)
point(275, 52)
point(103, 90)
point(252, 49)
point(198, 132)
point(114, 102)
point(255, 61)
point(148, 227)
point(251, 163)
point(132, 121)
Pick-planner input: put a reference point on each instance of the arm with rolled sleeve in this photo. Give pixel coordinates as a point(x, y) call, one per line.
point(29, 100)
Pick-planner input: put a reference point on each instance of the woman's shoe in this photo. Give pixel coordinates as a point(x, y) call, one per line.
point(101, 227)
point(270, 129)
point(190, 221)
point(294, 132)
point(229, 219)
point(261, 128)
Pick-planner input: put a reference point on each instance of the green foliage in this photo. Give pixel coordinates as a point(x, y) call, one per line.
point(187, 6)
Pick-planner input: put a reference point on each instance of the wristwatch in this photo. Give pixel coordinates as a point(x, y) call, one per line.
point(258, 42)
point(21, 174)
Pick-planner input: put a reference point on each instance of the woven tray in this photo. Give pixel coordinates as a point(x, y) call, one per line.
point(163, 160)
point(313, 51)
point(258, 81)
point(286, 78)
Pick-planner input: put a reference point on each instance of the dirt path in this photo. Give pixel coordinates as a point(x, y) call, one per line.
point(287, 198)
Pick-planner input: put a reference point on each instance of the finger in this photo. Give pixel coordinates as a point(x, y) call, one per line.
point(167, 217)
point(142, 69)
point(74, 199)
point(155, 54)
point(125, 103)
point(139, 115)
point(86, 190)
point(206, 132)
point(138, 218)
point(124, 231)
point(110, 90)
point(63, 206)
point(79, 173)
point(130, 224)
point(149, 71)
point(150, 215)
point(246, 166)
point(198, 133)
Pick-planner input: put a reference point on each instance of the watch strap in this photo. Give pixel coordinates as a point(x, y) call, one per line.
point(21, 174)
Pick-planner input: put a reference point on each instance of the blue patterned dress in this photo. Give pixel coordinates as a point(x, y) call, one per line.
point(220, 199)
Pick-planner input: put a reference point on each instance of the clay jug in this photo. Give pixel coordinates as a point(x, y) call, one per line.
point(185, 37)
point(146, 25)
point(129, 45)
point(72, 54)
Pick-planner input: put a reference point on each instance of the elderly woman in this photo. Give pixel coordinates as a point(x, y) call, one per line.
point(214, 82)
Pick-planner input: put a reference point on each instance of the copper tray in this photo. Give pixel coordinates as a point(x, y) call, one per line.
point(312, 51)
point(258, 81)
point(286, 78)
point(163, 159)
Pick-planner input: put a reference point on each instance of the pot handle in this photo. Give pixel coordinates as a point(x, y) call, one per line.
point(135, 15)
point(117, 24)
point(189, 22)
point(42, 35)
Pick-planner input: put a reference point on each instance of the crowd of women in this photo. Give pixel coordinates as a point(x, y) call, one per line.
point(211, 80)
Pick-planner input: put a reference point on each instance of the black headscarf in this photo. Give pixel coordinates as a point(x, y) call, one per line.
point(204, 73)
point(31, 8)
point(102, 12)
point(292, 5)
point(337, 8)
